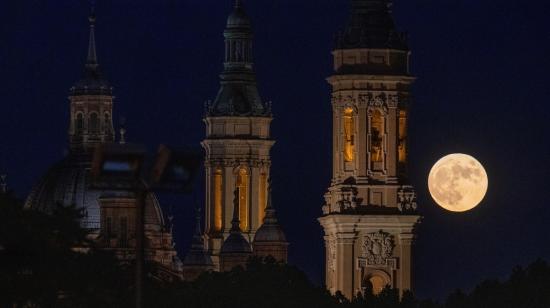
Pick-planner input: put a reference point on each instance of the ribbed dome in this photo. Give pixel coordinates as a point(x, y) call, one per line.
point(68, 182)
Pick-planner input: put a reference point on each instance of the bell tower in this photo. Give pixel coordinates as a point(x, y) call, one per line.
point(91, 100)
point(238, 141)
point(370, 210)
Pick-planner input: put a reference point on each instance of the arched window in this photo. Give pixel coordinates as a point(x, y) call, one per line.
point(218, 195)
point(107, 119)
point(377, 132)
point(262, 194)
point(94, 123)
point(378, 284)
point(242, 186)
point(402, 136)
point(79, 123)
point(349, 135)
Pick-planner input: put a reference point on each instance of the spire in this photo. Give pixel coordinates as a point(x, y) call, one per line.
point(198, 241)
point(91, 61)
point(235, 222)
point(270, 213)
point(92, 81)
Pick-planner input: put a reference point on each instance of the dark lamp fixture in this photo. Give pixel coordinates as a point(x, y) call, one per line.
point(176, 169)
point(120, 161)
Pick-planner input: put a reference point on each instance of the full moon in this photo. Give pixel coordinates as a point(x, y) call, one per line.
point(458, 182)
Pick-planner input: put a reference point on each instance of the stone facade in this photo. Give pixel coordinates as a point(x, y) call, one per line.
point(370, 210)
point(238, 142)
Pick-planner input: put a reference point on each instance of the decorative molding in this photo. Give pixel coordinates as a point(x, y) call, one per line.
point(406, 199)
point(376, 248)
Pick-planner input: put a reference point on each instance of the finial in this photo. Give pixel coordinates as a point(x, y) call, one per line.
point(3, 184)
point(269, 189)
point(122, 131)
point(270, 216)
point(238, 4)
point(235, 223)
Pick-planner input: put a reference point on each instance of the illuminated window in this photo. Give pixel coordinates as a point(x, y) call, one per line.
point(378, 284)
point(377, 131)
point(349, 135)
point(262, 196)
point(218, 194)
point(402, 136)
point(242, 186)
point(79, 123)
point(94, 123)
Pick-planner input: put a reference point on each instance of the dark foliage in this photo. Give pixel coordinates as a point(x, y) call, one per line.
point(42, 264)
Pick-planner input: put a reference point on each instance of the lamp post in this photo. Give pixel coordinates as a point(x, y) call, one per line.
point(118, 166)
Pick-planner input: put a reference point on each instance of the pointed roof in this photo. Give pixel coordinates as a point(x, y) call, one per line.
point(235, 242)
point(270, 231)
point(198, 255)
point(92, 82)
point(371, 26)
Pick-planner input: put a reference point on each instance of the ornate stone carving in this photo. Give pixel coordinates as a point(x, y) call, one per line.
point(331, 257)
point(406, 199)
point(377, 248)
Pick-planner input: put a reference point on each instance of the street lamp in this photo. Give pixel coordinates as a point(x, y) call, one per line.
point(118, 166)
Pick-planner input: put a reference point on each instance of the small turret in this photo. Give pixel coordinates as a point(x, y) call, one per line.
point(197, 259)
point(270, 239)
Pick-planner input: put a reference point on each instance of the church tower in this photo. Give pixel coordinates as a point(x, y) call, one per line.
point(91, 104)
point(237, 141)
point(369, 213)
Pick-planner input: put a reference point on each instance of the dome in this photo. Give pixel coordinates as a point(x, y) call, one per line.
point(92, 83)
point(238, 19)
point(235, 243)
point(270, 233)
point(68, 183)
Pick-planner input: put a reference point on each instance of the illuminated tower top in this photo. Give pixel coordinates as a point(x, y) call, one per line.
point(91, 103)
point(238, 94)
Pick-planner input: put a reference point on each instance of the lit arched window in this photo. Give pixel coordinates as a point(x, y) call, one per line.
point(262, 194)
point(79, 123)
point(94, 123)
point(349, 135)
point(218, 195)
point(402, 136)
point(242, 186)
point(378, 284)
point(377, 132)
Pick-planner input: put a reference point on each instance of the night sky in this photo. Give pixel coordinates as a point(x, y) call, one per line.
point(482, 89)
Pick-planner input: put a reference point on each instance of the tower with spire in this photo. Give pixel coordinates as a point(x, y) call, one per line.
point(237, 142)
point(91, 101)
point(370, 209)
point(108, 216)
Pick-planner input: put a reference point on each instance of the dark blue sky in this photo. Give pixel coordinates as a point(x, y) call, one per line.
point(482, 89)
